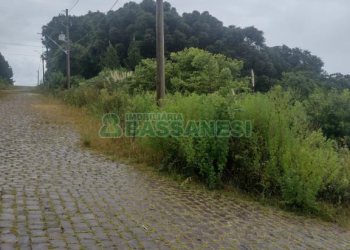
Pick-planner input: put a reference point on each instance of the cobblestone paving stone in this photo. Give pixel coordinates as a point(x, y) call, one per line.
point(55, 195)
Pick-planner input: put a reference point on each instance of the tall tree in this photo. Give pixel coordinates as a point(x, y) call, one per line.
point(131, 30)
point(134, 55)
point(6, 73)
point(110, 59)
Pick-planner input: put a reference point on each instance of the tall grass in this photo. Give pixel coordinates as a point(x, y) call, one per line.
point(283, 157)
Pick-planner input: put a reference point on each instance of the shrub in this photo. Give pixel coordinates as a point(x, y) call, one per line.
point(56, 80)
point(329, 110)
point(192, 70)
point(308, 166)
point(196, 70)
point(283, 157)
point(115, 102)
point(337, 190)
point(303, 83)
point(112, 80)
point(80, 96)
point(4, 84)
point(76, 80)
point(145, 76)
point(205, 157)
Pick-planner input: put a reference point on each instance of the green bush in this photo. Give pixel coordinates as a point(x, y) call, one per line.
point(303, 83)
point(4, 84)
point(192, 70)
point(143, 103)
point(196, 70)
point(308, 167)
point(112, 80)
point(144, 78)
point(80, 96)
point(76, 80)
point(283, 157)
point(338, 190)
point(205, 157)
point(115, 102)
point(329, 110)
point(57, 80)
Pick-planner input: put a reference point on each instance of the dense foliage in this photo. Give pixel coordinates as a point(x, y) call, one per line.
point(329, 110)
point(130, 33)
point(298, 145)
point(191, 70)
point(283, 156)
point(5, 72)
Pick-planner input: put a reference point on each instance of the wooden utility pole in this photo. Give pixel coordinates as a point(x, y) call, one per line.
point(68, 49)
point(43, 62)
point(38, 77)
point(160, 52)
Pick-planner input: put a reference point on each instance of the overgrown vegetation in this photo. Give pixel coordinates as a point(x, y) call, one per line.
point(298, 147)
point(286, 155)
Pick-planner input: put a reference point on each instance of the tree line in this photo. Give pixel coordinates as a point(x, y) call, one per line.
point(6, 73)
point(124, 37)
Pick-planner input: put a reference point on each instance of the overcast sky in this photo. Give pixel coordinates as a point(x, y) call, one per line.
point(320, 26)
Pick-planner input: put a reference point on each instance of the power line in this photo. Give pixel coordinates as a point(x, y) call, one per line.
point(87, 34)
point(74, 5)
point(15, 54)
point(20, 44)
point(81, 39)
point(115, 3)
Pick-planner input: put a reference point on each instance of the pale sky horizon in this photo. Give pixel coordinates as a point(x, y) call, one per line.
point(320, 26)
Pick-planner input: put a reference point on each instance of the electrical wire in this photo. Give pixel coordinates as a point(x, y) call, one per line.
point(74, 5)
point(115, 3)
point(20, 44)
point(87, 34)
point(81, 39)
point(15, 54)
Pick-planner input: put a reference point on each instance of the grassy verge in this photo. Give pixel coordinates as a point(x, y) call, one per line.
point(127, 151)
point(4, 86)
point(123, 149)
point(2, 92)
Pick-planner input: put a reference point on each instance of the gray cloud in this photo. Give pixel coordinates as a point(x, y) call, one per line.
point(321, 26)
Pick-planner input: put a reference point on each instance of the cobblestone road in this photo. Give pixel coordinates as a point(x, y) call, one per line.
point(57, 195)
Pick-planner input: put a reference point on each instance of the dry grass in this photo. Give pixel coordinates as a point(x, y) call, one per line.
point(125, 150)
point(3, 93)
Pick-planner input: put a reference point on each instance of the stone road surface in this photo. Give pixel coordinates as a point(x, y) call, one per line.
point(55, 195)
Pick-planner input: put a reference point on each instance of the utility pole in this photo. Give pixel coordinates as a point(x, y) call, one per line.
point(68, 49)
point(48, 82)
point(38, 77)
point(43, 64)
point(160, 52)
